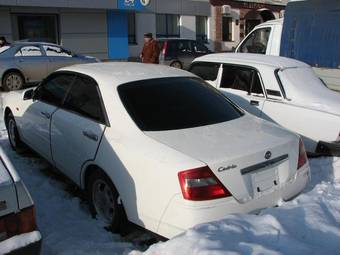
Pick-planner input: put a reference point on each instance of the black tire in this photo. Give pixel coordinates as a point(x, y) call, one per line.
point(12, 81)
point(176, 64)
point(97, 181)
point(13, 134)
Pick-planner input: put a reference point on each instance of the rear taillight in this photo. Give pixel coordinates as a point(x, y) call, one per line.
point(19, 223)
point(201, 184)
point(165, 48)
point(302, 155)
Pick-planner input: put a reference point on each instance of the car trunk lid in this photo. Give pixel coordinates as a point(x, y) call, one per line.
point(249, 156)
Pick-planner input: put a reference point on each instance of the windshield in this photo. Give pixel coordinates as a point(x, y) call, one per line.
point(4, 48)
point(175, 103)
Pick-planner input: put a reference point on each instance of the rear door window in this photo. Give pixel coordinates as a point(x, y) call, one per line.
point(54, 51)
point(84, 99)
point(207, 71)
point(241, 78)
point(175, 103)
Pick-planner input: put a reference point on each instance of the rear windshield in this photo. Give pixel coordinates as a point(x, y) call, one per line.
point(175, 103)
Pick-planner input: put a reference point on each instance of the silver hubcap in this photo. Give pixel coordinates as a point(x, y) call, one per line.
point(13, 82)
point(176, 65)
point(103, 201)
point(11, 131)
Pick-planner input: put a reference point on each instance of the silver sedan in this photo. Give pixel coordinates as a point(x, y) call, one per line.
point(31, 62)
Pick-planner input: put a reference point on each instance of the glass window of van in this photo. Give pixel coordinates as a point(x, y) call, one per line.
point(256, 42)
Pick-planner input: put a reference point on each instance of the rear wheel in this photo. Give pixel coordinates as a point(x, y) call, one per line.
point(13, 135)
point(104, 200)
point(176, 64)
point(13, 81)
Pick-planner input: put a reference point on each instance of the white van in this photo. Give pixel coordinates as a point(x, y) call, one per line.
point(266, 39)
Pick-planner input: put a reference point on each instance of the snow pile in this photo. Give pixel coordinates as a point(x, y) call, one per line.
point(19, 241)
point(309, 224)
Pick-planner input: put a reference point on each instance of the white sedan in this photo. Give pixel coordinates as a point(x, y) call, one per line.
point(281, 90)
point(18, 229)
point(156, 145)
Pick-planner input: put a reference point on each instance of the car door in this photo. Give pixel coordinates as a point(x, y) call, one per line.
point(77, 127)
point(35, 122)
point(32, 61)
point(58, 57)
point(243, 85)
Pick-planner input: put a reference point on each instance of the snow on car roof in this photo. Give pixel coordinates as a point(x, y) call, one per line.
point(124, 72)
point(251, 59)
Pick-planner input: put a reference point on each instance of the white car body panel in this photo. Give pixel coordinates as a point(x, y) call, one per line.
point(309, 109)
point(144, 166)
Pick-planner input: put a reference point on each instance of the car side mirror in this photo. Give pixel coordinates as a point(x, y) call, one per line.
point(29, 94)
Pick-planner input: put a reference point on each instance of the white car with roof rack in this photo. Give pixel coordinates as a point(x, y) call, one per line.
point(18, 229)
point(282, 90)
point(156, 145)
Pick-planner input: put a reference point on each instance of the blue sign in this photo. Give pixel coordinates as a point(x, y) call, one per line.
point(137, 5)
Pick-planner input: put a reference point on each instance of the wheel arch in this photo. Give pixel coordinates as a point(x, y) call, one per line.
point(13, 70)
point(7, 112)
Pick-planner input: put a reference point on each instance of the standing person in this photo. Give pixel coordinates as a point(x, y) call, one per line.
point(151, 51)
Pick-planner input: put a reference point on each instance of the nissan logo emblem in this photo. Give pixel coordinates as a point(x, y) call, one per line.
point(268, 155)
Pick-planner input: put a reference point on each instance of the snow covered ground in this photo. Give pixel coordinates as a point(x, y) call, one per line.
point(309, 224)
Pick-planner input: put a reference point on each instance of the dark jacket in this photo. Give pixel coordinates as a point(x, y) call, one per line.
point(150, 53)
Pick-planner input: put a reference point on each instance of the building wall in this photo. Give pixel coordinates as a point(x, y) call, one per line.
point(5, 24)
point(188, 27)
point(84, 31)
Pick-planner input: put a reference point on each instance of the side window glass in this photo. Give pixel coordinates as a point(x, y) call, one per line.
point(207, 71)
point(235, 77)
point(200, 48)
point(84, 99)
point(241, 78)
point(28, 51)
point(54, 51)
point(256, 42)
point(256, 88)
point(53, 91)
point(183, 47)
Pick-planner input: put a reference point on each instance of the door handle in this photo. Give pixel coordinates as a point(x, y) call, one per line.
point(46, 115)
point(90, 135)
point(254, 102)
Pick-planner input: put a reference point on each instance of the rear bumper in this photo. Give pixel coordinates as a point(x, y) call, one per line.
point(328, 149)
point(25, 244)
point(182, 215)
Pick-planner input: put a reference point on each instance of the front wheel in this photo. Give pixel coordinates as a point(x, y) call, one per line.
point(104, 201)
point(12, 81)
point(176, 64)
point(13, 135)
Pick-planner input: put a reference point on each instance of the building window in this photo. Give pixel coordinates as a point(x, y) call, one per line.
point(35, 28)
point(201, 28)
point(167, 25)
point(227, 29)
point(132, 28)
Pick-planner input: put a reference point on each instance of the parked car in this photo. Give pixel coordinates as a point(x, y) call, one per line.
point(180, 53)
point(281, 90)
point(30, 62)
point(18, 229)
point(155, 145)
